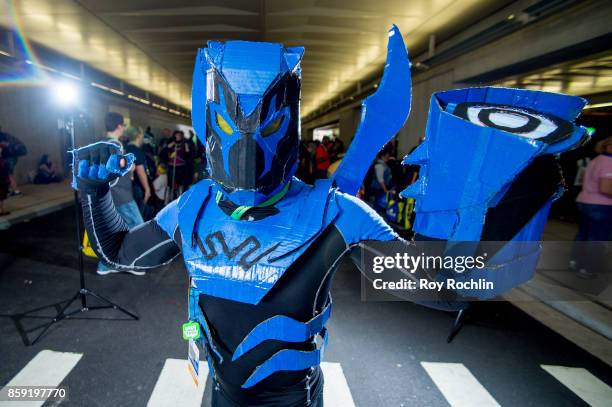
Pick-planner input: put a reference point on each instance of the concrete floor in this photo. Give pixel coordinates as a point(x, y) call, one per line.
point(35, 201)
point(379, 345)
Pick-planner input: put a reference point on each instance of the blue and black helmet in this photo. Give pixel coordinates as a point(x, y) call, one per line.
point(245, 109)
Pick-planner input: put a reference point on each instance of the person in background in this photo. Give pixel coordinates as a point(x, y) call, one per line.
point(142, 190)
point(336, 153)
point(178, 153)
point(14, 148)
point(166, 138)
point(336, 150)
point(149, 135)
point(381, 180)
point(190, 161)
point(594, 204)
point(322, 158)
point(200, 160)
point(148, 148)
point(160, 183)
point(334, 165)
point(46, 171)
point(311, 146)
point(122, 190)
point(4, 178)
point(566, 208)
point(304, 171)
point(411, 171)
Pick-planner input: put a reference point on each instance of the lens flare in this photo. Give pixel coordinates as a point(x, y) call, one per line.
point(23, 67)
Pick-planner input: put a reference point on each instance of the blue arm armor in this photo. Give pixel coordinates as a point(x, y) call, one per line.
point(358, 222)
point(467, 164)
point(167, 218)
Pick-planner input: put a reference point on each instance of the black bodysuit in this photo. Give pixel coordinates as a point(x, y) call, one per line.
point(302, 291)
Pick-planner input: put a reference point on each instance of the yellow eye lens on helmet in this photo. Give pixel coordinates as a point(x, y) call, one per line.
point(224, 125)
point(272, 127)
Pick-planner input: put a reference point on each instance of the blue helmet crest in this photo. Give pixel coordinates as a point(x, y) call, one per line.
point(245, 109)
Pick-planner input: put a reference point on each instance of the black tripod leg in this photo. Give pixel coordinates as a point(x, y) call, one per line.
point(83, 292)
point(60, 315)
point(457, 325)
point(109, 302)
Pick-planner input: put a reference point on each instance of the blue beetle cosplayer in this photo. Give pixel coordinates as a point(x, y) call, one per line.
point(261, 247)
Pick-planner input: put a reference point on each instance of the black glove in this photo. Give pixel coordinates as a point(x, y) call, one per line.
point(96, 165)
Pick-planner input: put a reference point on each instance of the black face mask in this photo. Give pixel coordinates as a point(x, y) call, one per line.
point(252, 156)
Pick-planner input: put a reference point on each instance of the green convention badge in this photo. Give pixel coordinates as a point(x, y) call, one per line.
point(191, 330)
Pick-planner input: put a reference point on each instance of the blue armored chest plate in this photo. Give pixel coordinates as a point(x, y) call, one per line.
point(242, 260)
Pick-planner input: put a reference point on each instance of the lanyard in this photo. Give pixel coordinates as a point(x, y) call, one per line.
point(242, 209)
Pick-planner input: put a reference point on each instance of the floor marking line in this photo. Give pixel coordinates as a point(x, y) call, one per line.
point(175, 386)
point(336, 392)
point(47, 368)
point(582, 383)
point(458, 385)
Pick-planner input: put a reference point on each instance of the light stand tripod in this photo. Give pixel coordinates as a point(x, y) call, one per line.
point(173, 172)
point(83, 291)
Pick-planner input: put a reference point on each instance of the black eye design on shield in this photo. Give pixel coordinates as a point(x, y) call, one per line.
point(273, 127)
point(522, 122)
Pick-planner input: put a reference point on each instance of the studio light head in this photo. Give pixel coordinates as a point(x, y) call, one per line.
point(65, 93)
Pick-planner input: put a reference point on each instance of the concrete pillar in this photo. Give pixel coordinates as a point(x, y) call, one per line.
point(349, 119)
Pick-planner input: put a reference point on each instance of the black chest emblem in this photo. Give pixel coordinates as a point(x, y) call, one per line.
point(248, 250)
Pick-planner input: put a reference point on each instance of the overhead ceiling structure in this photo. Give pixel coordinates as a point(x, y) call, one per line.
point(152, 44)
point(577, 77)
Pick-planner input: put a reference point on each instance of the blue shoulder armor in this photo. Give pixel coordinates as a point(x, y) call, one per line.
point(242, 260)
point(168, 217)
